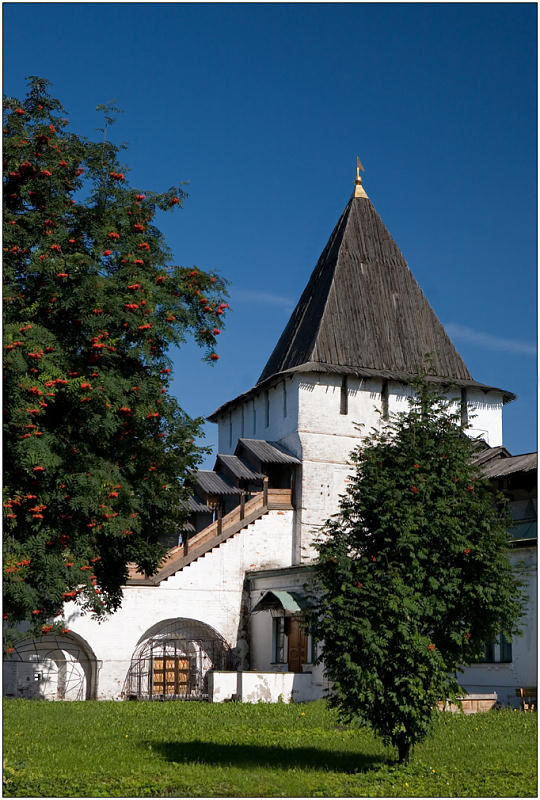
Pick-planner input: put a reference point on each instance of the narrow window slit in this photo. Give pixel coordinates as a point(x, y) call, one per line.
point(344, 401)
point(384, 400)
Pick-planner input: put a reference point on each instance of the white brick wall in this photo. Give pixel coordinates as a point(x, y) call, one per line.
point(209, 590)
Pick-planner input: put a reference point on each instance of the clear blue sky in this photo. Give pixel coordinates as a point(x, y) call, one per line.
point(263, 108)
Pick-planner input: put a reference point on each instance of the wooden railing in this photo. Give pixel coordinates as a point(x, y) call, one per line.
point(214, 534)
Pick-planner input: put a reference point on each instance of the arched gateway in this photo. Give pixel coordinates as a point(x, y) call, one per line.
point(172, 661)
point(51, 668)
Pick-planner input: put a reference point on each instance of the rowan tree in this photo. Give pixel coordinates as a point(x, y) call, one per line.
point(96, 450)
point(413, 572)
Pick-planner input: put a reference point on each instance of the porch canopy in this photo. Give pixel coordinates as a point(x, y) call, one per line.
point(281, 602)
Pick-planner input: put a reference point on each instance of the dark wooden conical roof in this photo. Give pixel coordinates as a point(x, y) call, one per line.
point(363, 313)
point(362, 309)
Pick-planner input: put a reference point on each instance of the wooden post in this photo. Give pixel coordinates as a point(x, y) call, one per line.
point(265, 491)
point(186, 544)
point(219, 520)
point(242, 504)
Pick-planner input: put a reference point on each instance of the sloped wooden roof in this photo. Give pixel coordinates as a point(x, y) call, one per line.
point(362, 308)
point(266, 452)
point(237, 467)
point(211, 483)
point(491, 453)
point(498, 468)
point(195, 506)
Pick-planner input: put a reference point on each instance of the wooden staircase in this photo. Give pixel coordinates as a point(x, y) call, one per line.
point(214, 534)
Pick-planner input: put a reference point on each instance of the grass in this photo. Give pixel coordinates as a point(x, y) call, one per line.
point(106, 749)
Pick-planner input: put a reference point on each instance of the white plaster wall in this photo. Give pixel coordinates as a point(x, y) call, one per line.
point(271, 687)
point(267, 687)
point(280, 425)
point(209, 590)
point(260, 642)
point(485, 416)
point(255, 687)
point(319, 406)
point(327, 438)
point(222, 686)
point(313, 404)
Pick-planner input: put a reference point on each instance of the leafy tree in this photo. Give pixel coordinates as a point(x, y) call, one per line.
point(413, 573)
point(95, 449)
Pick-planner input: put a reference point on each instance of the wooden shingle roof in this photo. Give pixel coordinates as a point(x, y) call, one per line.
point(237, 467)
point(363, 313)
point(362, 308)
point(211, 483)
point(266, 452)
point(498, 468)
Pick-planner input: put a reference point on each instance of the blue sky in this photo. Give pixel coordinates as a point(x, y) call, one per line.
point(263, 108)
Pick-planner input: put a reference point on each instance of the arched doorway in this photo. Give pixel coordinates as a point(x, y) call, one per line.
point(172, 661)
point(52, 668)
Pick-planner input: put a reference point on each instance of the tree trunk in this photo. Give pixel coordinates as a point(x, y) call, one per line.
point(404, 752)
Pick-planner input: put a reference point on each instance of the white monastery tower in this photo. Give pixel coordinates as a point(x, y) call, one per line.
point(358, 335)
point(360, 331)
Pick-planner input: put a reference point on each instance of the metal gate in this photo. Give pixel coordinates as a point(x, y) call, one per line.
point(171, 665)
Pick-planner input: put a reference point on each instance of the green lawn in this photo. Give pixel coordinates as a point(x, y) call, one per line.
point(180, 749)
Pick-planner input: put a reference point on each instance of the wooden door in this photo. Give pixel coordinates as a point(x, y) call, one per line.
point(170, 675)
point(296, 645)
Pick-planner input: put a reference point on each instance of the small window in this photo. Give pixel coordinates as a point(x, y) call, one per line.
point(505, 650)
point(266, 409)
point(284, 399)
point(464, 409)
point(499, 652)
point(344, 401)
point(278, 640)
point(384, 400)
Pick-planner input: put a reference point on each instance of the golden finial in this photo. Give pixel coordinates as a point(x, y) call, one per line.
point(358, 188)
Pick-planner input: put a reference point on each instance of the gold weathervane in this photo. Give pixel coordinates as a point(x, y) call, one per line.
point(358, 188)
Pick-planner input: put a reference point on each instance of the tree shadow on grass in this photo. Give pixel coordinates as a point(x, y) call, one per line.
point(252, 756)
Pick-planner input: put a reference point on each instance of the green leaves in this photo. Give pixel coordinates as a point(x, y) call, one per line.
point(425, 538)
point(92, 305)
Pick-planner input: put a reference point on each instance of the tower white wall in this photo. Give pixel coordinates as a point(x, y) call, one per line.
point(311, 425)
point(270, 414)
